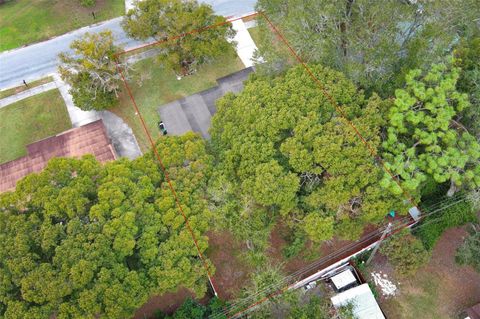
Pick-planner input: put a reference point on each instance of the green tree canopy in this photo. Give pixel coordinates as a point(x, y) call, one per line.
point(283, 150)
point(425, 138)
point(405, 252)
point(467, 58)
point(81, 240)
point(170, 19)
point(91, 71)
point(372, 42)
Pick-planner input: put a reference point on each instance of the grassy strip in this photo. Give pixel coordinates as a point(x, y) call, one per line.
point(27, 21)
point(18, 89)
point(30, 120)
point(152, 86)
point(255, 34)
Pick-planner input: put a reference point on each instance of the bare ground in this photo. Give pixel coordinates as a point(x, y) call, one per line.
point(441, 289)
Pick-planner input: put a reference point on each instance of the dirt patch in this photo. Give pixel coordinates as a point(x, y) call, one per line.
point(460, 285)
point(232, 273)
point(310, 253)
point(167, 303)
point(441, 289)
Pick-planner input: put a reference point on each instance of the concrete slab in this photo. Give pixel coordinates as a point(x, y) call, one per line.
point(121, 135)
point(27, 93)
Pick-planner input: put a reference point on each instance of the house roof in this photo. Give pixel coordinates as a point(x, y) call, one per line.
point(88, 139)
point(364, 304)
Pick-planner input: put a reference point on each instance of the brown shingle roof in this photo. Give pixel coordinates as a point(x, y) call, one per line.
point(88, 139)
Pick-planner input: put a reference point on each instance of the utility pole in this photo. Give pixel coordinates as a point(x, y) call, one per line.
point(385, 232)
point(211, 284)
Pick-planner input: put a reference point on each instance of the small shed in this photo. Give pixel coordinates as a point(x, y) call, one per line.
point(364, 304)
point(415, 213)
point(343, 279)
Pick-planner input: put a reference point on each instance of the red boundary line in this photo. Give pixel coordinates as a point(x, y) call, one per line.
point(116, 55)
point(157, 155)
point(337, 107)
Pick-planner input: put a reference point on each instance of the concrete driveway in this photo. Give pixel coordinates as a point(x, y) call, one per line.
point(194, 113)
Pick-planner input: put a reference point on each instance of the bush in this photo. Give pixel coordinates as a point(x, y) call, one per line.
point(294, 247)
point(87, 3)
point(432, 227)
point(469, 252)
point(405, 252)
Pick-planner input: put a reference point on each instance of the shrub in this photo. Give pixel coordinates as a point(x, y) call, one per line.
point(87, 3)
point(293, 248)
point(469, 252)
point(453, 215)
point(405, 252)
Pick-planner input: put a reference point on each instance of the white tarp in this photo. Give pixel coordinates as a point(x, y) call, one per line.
point(364, 304)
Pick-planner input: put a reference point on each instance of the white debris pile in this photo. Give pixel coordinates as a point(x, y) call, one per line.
point(388, 288)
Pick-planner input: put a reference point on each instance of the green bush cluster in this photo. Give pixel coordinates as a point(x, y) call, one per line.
point(87, 3)
point(454, 215)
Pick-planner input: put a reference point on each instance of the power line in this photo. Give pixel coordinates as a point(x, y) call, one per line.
point(405, 222)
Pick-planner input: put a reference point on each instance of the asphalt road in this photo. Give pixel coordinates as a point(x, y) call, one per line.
point(37, 60)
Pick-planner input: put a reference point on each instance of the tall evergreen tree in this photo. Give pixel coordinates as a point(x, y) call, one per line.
point(425, 139)
point(372, 42)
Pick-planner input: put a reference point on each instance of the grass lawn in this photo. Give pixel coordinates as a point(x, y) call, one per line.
point(27, 21)
point(439, 290)
point(160, 86)
point(255, 34)
point(30, 120)
point(18, 89)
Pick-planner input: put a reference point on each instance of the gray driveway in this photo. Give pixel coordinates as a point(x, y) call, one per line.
point(37, 60)
point(194, 112)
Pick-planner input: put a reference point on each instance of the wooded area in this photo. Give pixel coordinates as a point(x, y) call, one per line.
point(85, 240)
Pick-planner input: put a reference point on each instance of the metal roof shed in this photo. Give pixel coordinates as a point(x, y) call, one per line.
point(343, 279)
point(364, 304)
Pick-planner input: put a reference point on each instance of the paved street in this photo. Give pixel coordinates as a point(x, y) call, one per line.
point(38, 60)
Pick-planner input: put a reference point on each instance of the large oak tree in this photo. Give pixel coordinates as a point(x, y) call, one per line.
point(373, 42)
point(283, 150)
point(173, 24)
point(81, 240)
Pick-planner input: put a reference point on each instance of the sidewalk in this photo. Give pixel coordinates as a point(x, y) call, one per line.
point(245, 45)
point(120, 133)
point(27, 93)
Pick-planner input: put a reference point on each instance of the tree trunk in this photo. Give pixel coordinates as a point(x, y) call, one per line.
point(343, 26)
point(453, 189)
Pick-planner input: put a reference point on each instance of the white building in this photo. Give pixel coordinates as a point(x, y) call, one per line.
point(364, 304)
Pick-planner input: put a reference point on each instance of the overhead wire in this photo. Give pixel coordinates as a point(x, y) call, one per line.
point(461, 197)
